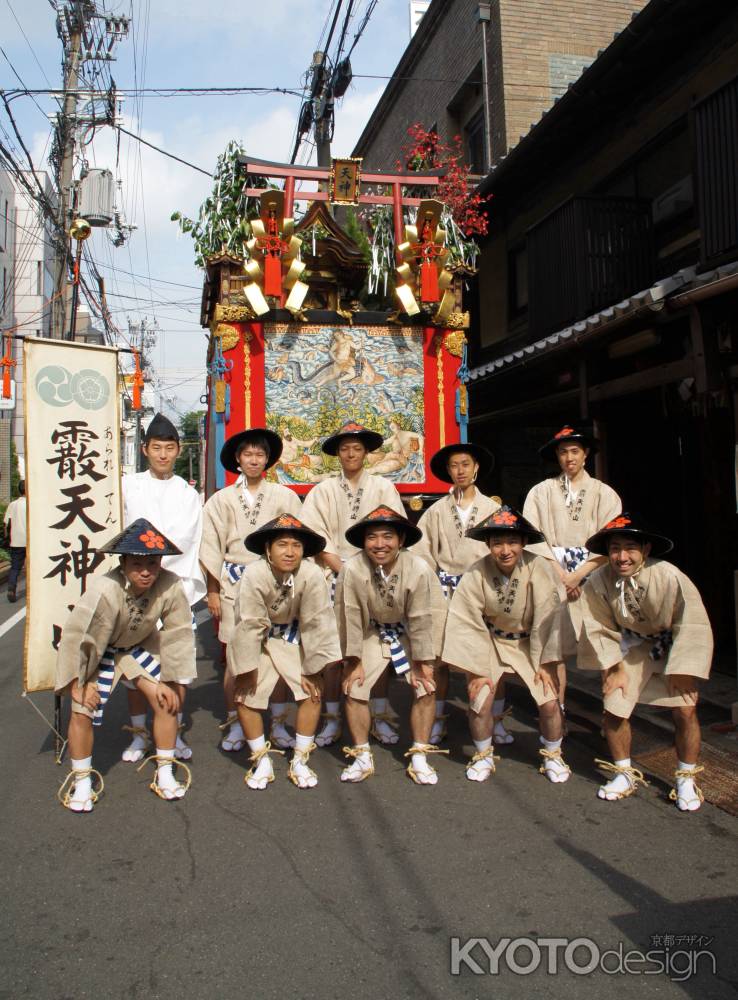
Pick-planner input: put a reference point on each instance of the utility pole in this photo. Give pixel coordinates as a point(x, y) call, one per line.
point(87, 35)
point(485, 16)
point(65, 138)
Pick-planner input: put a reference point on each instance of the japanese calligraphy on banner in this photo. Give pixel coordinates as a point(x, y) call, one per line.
point(72, 426)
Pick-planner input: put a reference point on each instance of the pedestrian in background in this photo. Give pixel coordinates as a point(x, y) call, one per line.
point(15, 535)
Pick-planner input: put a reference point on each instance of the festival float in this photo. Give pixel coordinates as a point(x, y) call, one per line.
point(336, 295)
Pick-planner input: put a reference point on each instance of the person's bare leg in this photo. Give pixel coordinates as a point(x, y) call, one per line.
point(138, 708)
point(181, 749)
point(551, 726)
point(382, 728)
point(438, 730)
point(308, 717)
point(358, 718)
point(279, 734)
point(234, 737)
point(422, 714)
point(261, 773)
point(619, 739)
point(687, 740)
point(500, 735)
point(164, 728)
point(80, 742)
point(481, 723)
point(331, 730)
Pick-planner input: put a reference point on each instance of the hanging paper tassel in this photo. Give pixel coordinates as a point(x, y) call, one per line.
point(429, 282)
point(272, 275)
point(138, 381)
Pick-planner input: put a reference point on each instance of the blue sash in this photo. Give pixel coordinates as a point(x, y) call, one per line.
point(106, 674)
point(390, 633)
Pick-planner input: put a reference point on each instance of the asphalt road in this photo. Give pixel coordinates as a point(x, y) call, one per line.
point(346, 891)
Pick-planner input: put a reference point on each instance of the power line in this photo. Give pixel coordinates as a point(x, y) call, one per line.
point(158, 149)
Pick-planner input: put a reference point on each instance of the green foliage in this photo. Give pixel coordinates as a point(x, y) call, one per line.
point(222, 223)
point(357, 233)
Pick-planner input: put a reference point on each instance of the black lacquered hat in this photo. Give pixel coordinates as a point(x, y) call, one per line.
point(634, 527)
point(312, 542)
point(141, 538)
point(162, 428)
point(569, 435)
point(370, 439)
point(230, 450)
point(383, 515)
point(439, 462)
point(504, 521)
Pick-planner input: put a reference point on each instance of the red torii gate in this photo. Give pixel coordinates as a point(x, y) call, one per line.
point(291, 173)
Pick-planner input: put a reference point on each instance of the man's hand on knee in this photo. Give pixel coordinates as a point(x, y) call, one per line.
point(312, 686)
point(475, 688)
point(614, 679)
point(684, 685)
point(421, 678)
point(86, 695)
point(548, 677)
point(353, 673)
point(166, 698)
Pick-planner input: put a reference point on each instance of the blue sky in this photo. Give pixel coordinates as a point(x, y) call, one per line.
point(186, 43)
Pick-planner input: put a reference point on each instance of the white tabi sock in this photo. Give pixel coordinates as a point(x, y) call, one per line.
point(333, 707)
point(359, 765)
point(278, 709)
point(81, 796)
point(181, 750)
point(480, 770)
point(498, 706)
point(555, 770)
point(619, 783)
point(687, 798)
point(137, 747)
point(165, 775)
point(234, 736)
point(440, 706)
point(426, 774)
point(378, 706)
point(279, 733)
point(263, 771)
point(306, 777)
point(382, 730)
point(501, 735)
point(439, 724)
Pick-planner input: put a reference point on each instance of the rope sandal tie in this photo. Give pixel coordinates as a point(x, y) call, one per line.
point(424, 748)
point(66, 789)
point(553, 755)
point(302, 757)
point(688, 773)
point(633, 775)
point(256, 758)
point(155, 787)
point(355, 753)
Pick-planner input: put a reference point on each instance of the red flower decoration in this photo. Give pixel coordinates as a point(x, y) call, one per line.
point(617, 522)
point(564, 432)
point(504, 517)
point(287, 521)
point(352, 427)
point(151, 540)
point(381, 512)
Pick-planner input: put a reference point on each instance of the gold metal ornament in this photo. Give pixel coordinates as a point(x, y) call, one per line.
point(80, 229)
point(274, 242)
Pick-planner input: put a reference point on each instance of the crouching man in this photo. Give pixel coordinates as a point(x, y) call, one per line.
point(646, 629)
point(505, 618)
point(390, 610)
point(285, 628)
point(111, 634)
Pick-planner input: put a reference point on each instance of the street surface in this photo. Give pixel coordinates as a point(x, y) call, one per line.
point(343, 891)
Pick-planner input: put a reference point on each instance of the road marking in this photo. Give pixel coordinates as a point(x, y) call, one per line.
point(17, 617)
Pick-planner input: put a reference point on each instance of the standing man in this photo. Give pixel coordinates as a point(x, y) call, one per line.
point(168, 501)
point(285, 631)
point(646, 629)
point(15, 534)
point(229, 517)
point(505, 618)
point(449, 551)
point(330, 508)
point(568, 508)
point(390, 611)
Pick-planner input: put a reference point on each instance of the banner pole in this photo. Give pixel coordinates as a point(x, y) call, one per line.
point(58, 741)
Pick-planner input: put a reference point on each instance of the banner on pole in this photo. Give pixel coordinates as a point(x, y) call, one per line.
point(72, 430)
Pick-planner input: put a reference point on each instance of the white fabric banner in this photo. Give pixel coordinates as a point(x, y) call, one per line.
point(72, 426)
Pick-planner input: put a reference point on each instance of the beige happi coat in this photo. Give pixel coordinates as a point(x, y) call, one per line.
point(227, 519)
point(444, 544)
point(410, 593)
point(662, 598)
point(109, 615)
point(530, 603)
point(545, 507)
point(331, 507)
point(263, 601)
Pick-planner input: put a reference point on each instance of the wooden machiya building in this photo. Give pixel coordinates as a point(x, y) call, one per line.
point(608, 287)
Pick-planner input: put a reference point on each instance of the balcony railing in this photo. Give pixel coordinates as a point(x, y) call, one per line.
point(585, 256)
